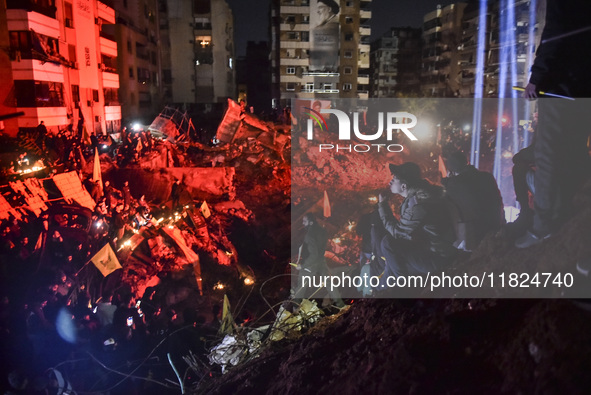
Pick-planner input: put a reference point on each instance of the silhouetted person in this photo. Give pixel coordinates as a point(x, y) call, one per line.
point(477, 199)
point(560, 151)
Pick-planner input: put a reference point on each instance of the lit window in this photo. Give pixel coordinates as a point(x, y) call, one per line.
point(203, 41)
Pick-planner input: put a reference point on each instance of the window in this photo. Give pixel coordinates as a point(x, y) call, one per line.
point(39, 93)
point(348, 19)
point(348, 54)
point(95, 96)
point(347, 70)
point(327, 86)
point(290, 19)
point(203, 41)
point(69, 15)
point(143, 75)
point(167, 76)
point(293, 36)
point(72, 53)
point(305, 19)
point(131, 73)
point(350, 3)
point(349, 37)
point(290, 70)
point(290, 86)
point(129, 48)
point(76, 95)
point(111, 96)
point(305, 36)
point(309, 87)
point(28, 45)
point(347, 87)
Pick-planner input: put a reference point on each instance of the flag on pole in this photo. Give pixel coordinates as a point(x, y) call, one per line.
point(96, 171)
point(139, 146)
point(205, 210)
point(106, 261)
point(326, 206)
point(442, 168)
point(227, 325)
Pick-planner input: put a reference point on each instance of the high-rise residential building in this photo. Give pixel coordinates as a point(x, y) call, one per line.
point(396, 63)
point(321, 49)
point(197, 43)
point(55, 69)
point(139, 59)
point(442, 34)
point(517, 43)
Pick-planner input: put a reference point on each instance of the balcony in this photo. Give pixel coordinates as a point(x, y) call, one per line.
point(363, 79)
point(364, 30)
point(44, 7)
point(363, 94)
point(364, 14)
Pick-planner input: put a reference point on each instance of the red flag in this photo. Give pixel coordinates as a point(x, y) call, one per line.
point(442, 168)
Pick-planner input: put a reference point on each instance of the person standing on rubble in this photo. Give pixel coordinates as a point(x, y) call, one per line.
point(560, 152)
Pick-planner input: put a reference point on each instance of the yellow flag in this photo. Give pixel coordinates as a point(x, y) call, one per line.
point(106, 261)
point(228, 324)
point(326, 205)
point(205, 210)
point(97, 175)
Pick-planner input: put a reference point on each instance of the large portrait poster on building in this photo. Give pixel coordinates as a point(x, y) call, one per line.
point(324, 40)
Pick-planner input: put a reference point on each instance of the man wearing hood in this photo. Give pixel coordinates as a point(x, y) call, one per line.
point(422, 239)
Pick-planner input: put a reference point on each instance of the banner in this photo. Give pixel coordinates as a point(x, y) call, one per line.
point(227, 325)
point(106, 261)
point(324, 37)
point(71, 188)
point(326, 206)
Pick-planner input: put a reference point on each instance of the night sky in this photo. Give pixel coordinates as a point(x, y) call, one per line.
point(251, 17)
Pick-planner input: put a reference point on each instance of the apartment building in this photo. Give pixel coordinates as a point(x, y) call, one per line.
point(55, 69)
point(138, 62)
point(396, 63)
point(442, 33)
point(197, 43)
point(321, 49)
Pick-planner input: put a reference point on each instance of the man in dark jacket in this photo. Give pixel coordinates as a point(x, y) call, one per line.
point(476, 198)
point(422, 240)
point(560, 151)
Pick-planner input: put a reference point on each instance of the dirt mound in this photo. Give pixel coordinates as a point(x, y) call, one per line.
point(444, 346)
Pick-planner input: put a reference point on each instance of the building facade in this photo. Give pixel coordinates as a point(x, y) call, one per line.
point(53, 70)
point(396, 63)
point(197, 43)
point(321, 49)
point(139, 60)
point(442, 33)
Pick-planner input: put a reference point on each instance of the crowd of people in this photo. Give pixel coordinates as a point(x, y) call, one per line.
point(46, 273)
